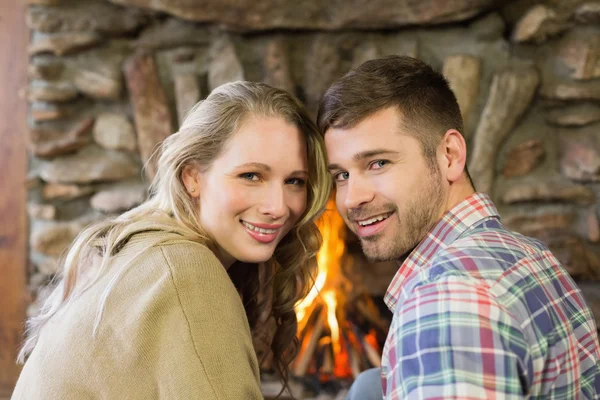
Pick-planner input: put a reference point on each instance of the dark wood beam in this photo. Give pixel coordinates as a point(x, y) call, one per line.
point(13, 193)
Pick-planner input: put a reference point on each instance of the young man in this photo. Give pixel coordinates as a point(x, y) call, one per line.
point(479, 312)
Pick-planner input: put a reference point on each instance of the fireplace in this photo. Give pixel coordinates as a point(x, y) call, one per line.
point(343, 322)
point(108, 80)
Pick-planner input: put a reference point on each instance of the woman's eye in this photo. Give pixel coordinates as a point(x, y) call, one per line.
point(251, 176)
point(341, 176)
point(379, 164)
point(296, 181)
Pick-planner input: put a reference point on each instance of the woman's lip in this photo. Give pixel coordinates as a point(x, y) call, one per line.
point(261, 237)
point(263, 226)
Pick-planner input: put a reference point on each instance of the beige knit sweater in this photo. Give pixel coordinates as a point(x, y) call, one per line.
point(174, 327)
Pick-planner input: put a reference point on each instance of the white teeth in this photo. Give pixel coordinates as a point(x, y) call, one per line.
point(374, 219)
point(260, 230)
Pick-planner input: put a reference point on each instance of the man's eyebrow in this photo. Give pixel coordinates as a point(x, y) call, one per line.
point(365, 154)
point(372, 153)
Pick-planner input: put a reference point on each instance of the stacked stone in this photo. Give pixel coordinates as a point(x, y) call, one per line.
point(110, 80)
point(551, 163)
point(84, 147)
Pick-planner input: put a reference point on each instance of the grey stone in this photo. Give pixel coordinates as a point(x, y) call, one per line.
point(42, 2)
point(580, 155)
point(365, 51)
point(225, 65)
point(187, 93)
point(591, 293)
point(41, 111)
point(151, 110)
point(86, 16)
point(173, 33)
point(588, 13)
point(558, 90)
point(579, 52)
point(322, 65)
point(524, 158)
point(54, 191)
point(277, 66)
point(46, 69)
point(538, 24)
point(48, 142)
point(511, 93)
point(314, 14)
point(570, 250)
point(54, 238)
point(51, 91)
point(91, 164)
point(98, 73)
point(99, 83)
point(548, 191)
point(119, 198)
point(490, 27)
point(61, 44)
point(463, 73)
point(114, 131)
point(41, 211)
point(574, 115)
point(593, 225)
point(536, 223)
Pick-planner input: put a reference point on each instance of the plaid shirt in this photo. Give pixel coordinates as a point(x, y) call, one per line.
point(484, 313)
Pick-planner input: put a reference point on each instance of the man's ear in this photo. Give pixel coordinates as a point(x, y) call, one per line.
point(454, 150)
point(191, 180)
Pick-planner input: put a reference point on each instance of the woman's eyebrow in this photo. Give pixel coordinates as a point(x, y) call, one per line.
point(255, 165)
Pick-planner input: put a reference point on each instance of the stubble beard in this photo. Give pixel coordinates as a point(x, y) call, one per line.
point(418, 217)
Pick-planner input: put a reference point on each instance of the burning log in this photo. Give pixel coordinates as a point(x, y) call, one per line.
point(309, 344)
point(339, 332)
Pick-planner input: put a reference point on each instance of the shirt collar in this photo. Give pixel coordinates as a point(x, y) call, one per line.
point(461, 217)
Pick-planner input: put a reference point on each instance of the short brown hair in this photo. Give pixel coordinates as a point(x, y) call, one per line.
point(422, 95)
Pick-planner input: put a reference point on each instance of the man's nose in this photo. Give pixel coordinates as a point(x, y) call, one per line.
point(358, 192)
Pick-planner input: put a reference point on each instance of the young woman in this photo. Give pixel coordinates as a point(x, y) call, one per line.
point(146, 307)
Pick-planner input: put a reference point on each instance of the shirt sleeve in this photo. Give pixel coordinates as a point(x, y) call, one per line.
point(451, 339)
point(218, 326)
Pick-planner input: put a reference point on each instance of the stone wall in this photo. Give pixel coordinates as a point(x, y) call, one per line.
point(109, 81)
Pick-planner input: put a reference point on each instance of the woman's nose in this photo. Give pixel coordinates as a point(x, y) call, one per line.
point(274, 204)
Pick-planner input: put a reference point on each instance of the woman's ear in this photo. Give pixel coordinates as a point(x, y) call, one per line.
point(191, 180)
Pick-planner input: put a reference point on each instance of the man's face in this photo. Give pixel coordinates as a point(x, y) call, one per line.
point(388, 193)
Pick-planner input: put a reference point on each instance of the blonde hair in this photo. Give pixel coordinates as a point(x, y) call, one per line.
point(199, 141)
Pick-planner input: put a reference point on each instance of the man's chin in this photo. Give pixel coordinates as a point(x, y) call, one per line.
point(375, 253)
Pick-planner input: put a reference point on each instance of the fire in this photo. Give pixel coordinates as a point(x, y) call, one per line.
point(331, 303)
point(331, 344)
point(326, 289)
point(329, 259)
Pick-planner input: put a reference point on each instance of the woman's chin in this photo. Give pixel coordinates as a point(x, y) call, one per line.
point(255, 257)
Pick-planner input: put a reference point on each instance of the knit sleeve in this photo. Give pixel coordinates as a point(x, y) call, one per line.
point(217, 322)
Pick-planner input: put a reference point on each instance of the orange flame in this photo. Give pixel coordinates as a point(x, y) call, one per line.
point(328, 259)
point(331, 303)
point(327, 282)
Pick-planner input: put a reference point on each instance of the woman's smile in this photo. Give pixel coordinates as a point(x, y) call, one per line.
point(263, 233)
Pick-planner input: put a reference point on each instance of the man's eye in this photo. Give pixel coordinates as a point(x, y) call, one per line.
point(250, 176)
point(379, 164)
point(341, 176)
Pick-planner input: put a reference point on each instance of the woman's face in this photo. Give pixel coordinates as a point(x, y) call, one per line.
point(255, 191)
